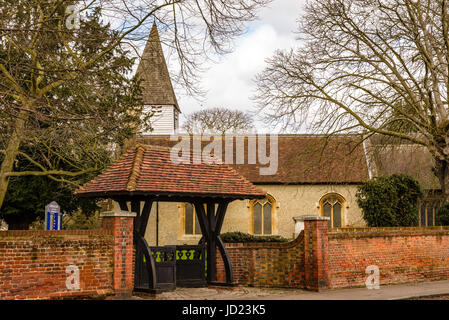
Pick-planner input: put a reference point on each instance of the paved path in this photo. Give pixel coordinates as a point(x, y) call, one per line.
point(391, 292)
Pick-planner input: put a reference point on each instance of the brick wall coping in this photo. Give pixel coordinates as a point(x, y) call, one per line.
point(53, 233)
point(369, 229)
point(124, 214)
point(267, 245)
point(387, 232)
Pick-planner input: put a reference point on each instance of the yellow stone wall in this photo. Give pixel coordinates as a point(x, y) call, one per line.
point(291, 201)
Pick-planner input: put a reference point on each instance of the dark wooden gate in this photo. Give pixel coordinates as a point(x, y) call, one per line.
point(163, 268)
point(165, 263)
point(170, 267)
point(190, 266)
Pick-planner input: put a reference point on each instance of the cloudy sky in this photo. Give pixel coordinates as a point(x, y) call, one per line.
point(230, 83)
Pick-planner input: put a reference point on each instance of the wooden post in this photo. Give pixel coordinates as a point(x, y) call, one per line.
point(211, 244)
point(221, 212)
point(211, 222)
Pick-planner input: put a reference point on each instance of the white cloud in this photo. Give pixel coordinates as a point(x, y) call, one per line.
point(230, 82)
point(282, 15)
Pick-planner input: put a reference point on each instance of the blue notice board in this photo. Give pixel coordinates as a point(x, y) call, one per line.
point(53, 216)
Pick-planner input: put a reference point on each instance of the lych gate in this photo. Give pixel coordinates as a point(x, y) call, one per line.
point(145, 175)
point(159, 268)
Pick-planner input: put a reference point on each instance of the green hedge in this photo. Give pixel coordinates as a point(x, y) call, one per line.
point(390, 201)
point(237, 237)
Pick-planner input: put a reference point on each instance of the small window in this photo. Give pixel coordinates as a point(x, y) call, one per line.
point(191, 225)
point(332, 207)
point(262, 216)
point(427, 212)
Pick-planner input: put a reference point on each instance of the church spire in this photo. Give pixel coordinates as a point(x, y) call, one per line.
point(157, 88)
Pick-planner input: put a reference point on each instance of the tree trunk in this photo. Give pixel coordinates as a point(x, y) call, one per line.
point(10, 154)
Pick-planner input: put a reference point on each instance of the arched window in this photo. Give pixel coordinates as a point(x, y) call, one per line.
point(191, 225)
point(332, 206)
point(262, 211)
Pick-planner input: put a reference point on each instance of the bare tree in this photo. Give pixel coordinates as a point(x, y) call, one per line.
point(367, 65)
point(52, 73)
point(218, 121)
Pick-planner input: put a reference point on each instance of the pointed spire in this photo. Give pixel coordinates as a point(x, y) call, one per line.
point(157, 88)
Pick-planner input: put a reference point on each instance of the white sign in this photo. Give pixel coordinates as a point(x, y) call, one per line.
point(73, 280)
point(372, 282)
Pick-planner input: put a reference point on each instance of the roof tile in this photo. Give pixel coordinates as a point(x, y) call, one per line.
point(302, 159)
point(149, 170)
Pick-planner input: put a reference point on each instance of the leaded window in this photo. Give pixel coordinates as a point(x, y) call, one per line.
point(332, 207)
point(191, 225)
point(262, 216)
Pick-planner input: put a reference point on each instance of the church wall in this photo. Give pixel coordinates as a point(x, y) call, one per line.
point(291, 201)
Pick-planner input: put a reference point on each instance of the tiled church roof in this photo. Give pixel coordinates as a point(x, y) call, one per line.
point(157, 88)
point(148, 170)
point(302, 159)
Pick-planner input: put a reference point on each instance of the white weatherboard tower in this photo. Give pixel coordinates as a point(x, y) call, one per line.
point(157, 89)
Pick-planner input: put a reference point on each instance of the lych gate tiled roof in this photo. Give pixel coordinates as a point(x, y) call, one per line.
point(157, 88)
point(148, 170)
point(302, 159)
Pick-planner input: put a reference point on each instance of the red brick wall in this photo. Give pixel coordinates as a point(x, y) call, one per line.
point(33, 263)
point(316, 266)
point(402, 255)
point(319, 259)
point(266, 264)
point(123, 263)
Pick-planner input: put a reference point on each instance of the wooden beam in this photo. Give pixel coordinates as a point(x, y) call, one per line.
point(144, 250)
point(144, 217)
point(226, 260)
point(123, 205)
point(135, 207)
point(211, 244)
point(221, 212)
point(175, 198)
point(202, 241)
point(200, 214)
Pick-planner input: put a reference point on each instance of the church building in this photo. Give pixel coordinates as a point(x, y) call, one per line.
point(316, 175)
